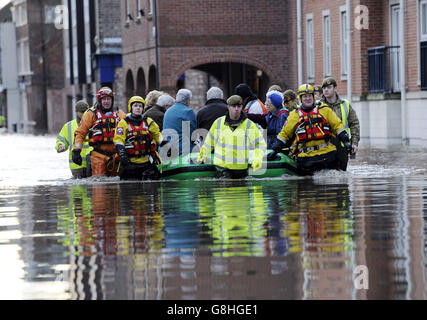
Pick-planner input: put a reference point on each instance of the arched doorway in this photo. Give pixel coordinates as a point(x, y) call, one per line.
point(141, 88)
point(152, 81)
point(225, 75)
point(130, 86)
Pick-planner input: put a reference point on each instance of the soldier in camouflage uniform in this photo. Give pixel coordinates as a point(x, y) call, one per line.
point(347, 115)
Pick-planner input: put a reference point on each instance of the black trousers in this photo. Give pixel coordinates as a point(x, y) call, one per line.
point(230, 174)
point(309, 165)
point(143, 171)
point(342, 154)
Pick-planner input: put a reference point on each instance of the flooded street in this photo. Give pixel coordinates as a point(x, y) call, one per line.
point(281, 238)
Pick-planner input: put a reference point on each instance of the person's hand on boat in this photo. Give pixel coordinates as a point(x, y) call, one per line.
point(256, 164)
point(271, 156)
point(76, 157)
point(202, 155)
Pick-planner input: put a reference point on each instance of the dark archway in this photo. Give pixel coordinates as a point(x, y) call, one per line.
point(152, 81)
point(228, 75)
point(130, 86)
point(141, 87)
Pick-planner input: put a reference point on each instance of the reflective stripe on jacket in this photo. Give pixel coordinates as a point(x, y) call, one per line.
point(231, 148)
point(66, 138)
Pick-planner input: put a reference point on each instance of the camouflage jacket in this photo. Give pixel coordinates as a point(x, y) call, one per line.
point(353, 121)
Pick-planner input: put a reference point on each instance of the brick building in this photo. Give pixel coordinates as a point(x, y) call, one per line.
point(92, 51)
point(39, 62)
point(376, 53)
point(230, 41)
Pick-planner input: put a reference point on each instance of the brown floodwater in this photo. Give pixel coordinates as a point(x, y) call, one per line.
point(359, 234)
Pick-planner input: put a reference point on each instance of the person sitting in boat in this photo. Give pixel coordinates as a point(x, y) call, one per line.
point(313, 124)
point(232, 136)
point(180, 123)
point(136, 139)
point(276, 116)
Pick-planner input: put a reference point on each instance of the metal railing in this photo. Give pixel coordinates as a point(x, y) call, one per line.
point(384, 71)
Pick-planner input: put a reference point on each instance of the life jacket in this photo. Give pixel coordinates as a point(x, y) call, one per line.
point(311, 126)
point(139, 141)
point(103, 130)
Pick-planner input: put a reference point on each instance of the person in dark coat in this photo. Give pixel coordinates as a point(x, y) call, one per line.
point(157, 112)
point(214, 108)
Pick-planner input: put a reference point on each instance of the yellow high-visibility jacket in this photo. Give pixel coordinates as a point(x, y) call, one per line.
point(231, 148)
point(66, 137)
point(320, 146)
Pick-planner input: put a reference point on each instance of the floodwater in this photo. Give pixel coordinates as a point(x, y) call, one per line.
point(360, 234)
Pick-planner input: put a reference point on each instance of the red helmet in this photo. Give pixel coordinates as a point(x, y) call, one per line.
point(104, 92)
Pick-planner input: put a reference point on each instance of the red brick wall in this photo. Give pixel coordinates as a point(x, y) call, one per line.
point(257, 32)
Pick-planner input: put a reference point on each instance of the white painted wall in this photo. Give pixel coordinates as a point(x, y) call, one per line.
point(10, 74)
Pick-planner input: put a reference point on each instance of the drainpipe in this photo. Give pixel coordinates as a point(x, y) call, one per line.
point(402, 59)
point(299, 37)
point(157, 45)
point(349, 42)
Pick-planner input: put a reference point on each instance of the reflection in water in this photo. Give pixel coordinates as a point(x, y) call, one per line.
point(290, 238)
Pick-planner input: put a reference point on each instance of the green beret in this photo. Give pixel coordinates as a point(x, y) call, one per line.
point(328, 81)
point(82, 106)
point(233, 100)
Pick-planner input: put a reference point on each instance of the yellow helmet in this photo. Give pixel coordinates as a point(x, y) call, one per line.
point(135, 99)
point(305, 89)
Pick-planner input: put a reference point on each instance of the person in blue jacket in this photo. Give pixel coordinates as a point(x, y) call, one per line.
point(276, 117)
point(179, 123)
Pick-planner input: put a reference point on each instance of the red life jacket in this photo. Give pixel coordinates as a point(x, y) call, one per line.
point(104, 128)
point(311, 126)
point(139, 141)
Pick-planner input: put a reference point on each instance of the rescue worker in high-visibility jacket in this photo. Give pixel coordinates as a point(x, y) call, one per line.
point(65, 140)
point(312, 126)
point(232, 136)
point(99, 123)
point(137, 138)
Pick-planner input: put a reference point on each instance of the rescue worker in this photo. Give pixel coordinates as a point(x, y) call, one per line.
point(290, 100)
point(136, 140)
point(317, 92)
point(232, 136)
point(65, 140)
point(99, 123)
point(313, 125)
point(2, 121)
point(347, 115)
point(276, 116)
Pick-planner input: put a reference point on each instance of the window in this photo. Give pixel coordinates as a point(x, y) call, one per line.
point(88, 53)
point(423, 44)
point(128, 15)
point(423, 20)
point(150, 7)
point(21, 14)
point(326, 44)
point(310, 48)
point(344, 43)
point(23, 53)
point(138, 9)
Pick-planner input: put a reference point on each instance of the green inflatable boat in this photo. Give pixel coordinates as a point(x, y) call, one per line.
point(186, 168)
